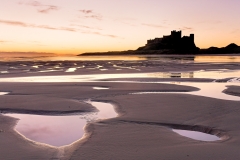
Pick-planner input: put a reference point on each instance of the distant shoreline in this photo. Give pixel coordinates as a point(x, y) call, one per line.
point(171, 44)
point(209, 51)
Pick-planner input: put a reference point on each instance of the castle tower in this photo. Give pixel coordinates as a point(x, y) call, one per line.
point(192, 38)
point(176, 38)
point(176, 34)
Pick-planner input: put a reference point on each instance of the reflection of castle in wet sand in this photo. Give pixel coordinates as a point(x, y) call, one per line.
point(178, 75)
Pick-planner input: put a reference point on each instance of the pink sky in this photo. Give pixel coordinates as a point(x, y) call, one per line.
point(76, 26)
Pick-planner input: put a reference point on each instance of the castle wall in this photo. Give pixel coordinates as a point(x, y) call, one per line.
point(156, 40)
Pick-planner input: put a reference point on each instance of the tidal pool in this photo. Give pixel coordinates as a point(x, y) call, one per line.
point(71, 70)
point(197, 135)
point(51, 70)
point(211, 90)
point(3, 93)
point(100, 88)
point(63, 129)
point(4, 72)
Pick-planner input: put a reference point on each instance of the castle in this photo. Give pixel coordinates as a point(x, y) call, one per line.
point(174, 41)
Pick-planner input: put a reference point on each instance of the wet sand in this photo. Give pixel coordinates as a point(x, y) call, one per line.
point(143, 128)
point(148, 64)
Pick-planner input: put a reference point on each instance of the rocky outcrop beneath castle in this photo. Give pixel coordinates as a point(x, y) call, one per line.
point(175, 42)
point(231, 48)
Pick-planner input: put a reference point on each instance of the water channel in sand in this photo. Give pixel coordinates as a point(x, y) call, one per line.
point(60, 130)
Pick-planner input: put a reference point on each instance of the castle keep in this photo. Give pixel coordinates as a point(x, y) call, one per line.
point(173, 41)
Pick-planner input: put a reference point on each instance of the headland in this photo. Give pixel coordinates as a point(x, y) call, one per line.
point(174, 43)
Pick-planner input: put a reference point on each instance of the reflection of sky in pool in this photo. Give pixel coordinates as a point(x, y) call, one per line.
point(100, 88)
point(71, 70)
point(60, 130)
point(3, 72)
point(52, 130)
point(212, 90)
point(197, 135)
point(3, 93)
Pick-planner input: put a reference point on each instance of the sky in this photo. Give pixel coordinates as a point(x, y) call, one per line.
point(77, 26)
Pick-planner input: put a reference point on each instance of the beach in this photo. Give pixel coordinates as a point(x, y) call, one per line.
point(151, 95)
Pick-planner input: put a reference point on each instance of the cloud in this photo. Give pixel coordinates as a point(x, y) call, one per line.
point(100, 34)
point(70, 29)
point(86, 27)
point(47, 10)
point(3, 41)
point(90, 14)
point(86, 11)
point(41, 8)
point(22, 24)
point(15, 23)
point(98, 17)
point(33, 3)
point(37, 132)
point(186, 28)
point(153, 25)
